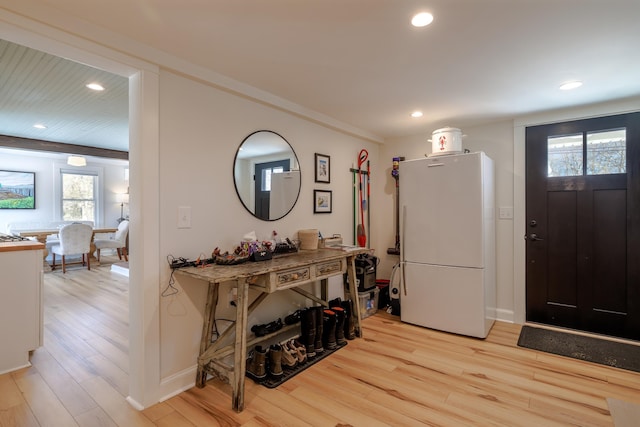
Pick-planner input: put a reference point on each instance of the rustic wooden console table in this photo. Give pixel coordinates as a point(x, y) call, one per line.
point(280, 273)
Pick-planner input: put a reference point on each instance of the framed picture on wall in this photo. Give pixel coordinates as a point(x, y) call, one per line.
point(322, 201)
point(323, 168)
point(17, 190)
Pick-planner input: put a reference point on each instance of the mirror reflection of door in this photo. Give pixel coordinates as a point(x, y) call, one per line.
point(266, 174)
point(263, 172)
point(583, 225)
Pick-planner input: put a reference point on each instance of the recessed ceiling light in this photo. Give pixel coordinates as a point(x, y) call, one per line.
point(416, 114)
point(39, 126)
point(95, 86)
point(570, 85)
point(422, 19)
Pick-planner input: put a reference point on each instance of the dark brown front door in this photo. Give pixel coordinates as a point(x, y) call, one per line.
point(583, 225)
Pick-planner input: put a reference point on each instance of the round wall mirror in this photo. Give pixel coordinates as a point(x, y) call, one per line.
point(266, 174)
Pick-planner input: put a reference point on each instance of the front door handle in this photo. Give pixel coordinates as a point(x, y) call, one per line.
point(533, 237)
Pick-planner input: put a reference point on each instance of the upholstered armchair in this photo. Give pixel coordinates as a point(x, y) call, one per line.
point(75, 239)
point(118, 241)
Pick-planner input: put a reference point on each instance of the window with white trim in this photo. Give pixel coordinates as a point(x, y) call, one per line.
point(79, 191)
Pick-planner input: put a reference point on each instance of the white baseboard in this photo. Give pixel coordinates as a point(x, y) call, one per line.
point(505, 315)
point(119, 269)
point(170, 386)
point(178, 382)
point(134, 403)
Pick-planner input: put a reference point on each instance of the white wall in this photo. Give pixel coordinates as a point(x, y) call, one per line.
point(46, 166)
point(201, 128)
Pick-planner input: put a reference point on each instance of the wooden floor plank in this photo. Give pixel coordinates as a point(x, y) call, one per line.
point(46, 406)
point(77, 367)
point(95, 417)
point(110, 373)
point(209, 407)
point(174, 419)
point(158, 411)
point(114, 404)
point(69, 392)
point(497, 413)
point(342, 410)
point(18, 415)
point(572, 413)
point(10, 394)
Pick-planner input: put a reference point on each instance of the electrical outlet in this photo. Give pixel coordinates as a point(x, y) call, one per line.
point(232, 299)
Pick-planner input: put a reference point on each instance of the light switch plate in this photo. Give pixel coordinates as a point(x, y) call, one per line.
point(506, 212)
point(184, 217)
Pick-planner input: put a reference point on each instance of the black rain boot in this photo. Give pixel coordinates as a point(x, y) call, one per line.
point(308, 328)
point(349, 321)
point(329, 329)
point(275, 360)
point(319, 326)
point(340, 318)
point(256, 364)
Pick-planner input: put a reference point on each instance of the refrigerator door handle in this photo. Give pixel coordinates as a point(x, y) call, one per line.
point(402, 231)
point(402, 279)
point(432, 165)
point(402, 240)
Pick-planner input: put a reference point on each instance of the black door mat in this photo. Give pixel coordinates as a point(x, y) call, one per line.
point(590, 349)
point(273, 382)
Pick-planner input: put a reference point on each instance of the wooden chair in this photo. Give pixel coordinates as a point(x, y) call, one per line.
point(117, 242)
point(75, 239)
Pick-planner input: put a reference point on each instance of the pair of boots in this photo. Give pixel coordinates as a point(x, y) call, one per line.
point(326, 328)
point(311, 328)
point(262, 361)
point(336, 321)
point(348, 328)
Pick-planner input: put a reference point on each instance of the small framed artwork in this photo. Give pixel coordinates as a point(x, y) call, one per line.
point(322, 201)
point(323, 168)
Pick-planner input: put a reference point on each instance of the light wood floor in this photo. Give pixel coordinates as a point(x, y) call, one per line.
point(398, 375)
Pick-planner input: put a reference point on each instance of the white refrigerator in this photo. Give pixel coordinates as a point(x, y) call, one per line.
point(447, 243)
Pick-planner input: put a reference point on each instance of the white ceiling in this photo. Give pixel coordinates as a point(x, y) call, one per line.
point(38, 88)
point(361, 63)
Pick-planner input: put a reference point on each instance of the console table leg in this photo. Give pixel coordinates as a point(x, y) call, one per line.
point(201, 377)
point(207, 329)
point(240, 354)
point(353, 292)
